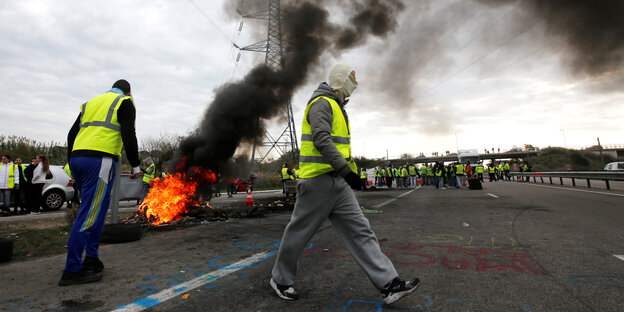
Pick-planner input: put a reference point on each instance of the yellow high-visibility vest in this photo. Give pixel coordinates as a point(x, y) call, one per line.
point(479, 169)
point(412, 170)
point(148, 177)
point(99, 128)
point(285, 175)
point(311, 162)
point(460, 169)
point(11, 175)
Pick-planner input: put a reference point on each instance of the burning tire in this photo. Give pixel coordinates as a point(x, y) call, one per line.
point(6, 249)
point(121, 233)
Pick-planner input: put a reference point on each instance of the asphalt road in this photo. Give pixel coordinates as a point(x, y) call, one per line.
point(509, 247)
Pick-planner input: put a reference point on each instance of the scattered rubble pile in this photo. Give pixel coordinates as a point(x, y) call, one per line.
point(205, 213)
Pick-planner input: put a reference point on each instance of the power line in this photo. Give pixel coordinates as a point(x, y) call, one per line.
point(503, 68)
point(482, 56)
point(212, 22)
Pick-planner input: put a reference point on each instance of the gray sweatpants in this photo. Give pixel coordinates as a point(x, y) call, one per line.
point(329, 196)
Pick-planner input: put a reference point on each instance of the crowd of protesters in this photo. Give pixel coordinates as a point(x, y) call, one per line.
point(23, 184)
point(440, 175)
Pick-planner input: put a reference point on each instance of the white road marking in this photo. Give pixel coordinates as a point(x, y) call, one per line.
point(621, 257)
point(393, 199)
point(571, 189)
point(169, 293)
point(490, 194)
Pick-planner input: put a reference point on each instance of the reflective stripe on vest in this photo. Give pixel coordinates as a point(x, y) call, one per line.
point(363, 174)
point(412, 170)
point(460, 169)
point(99, 128)
point(491, 169)
point(148, 177)
point(11, 182)
point(479, 169)
point(311, 162)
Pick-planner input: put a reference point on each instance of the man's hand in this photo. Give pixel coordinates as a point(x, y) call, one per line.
point(135, 172)
point(354, 180)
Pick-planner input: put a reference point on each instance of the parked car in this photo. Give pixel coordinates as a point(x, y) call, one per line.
point(615, 166)
point(57, 189)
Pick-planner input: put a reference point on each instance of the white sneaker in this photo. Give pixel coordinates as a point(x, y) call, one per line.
point(284, 292)
point(399, 289)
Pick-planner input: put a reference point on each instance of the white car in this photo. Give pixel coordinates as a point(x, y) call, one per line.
point(615, 166)
point(57, 189)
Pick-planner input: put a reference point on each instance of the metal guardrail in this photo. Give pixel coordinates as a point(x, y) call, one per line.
point(605, 176)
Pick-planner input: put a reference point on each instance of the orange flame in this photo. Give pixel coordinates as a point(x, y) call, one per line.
point(172, 196)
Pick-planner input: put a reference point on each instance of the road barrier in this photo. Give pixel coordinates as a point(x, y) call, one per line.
point(605, 176)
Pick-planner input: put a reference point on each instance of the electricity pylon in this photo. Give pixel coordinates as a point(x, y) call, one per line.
point(273, 47)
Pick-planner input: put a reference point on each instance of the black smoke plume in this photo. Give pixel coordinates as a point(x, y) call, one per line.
point(239, 109)
point(594, 30)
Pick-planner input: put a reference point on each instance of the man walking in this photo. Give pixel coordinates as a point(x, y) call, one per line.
point(327, 172)
point(104, 125)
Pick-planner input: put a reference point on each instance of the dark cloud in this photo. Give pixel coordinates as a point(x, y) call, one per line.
point(594, 31)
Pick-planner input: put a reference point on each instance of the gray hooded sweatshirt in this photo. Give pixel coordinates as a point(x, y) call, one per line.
point(320, 117)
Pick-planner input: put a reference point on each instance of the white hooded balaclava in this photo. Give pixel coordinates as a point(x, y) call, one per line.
point(341, 81)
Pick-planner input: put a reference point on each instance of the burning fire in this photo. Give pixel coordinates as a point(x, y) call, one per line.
point(173, 195)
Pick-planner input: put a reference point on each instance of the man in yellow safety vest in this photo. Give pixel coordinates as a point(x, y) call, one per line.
point(328, 173)
point(104, 125)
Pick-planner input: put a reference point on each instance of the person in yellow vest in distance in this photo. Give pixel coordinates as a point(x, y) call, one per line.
point(364, 178)
point(430, 173)
point(459, 175)
point(479, 170)
point(287, 175)
point(9, 181)
point(104, 125)
point(328, 173)
point(500, 172)
point(148, 176)
point(164, 173)
point(412, 174)
point(506, 170)
point(383, 177)
point(492, 172)
point(389, 175)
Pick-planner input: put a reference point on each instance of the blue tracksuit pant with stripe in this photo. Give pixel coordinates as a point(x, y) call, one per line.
point(94, 177)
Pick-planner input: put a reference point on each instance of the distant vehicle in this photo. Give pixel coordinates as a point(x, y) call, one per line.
point(57, 189)
point(468, 155)
point(615, 166)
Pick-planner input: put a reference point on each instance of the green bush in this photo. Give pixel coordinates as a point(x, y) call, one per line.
point(553, 159)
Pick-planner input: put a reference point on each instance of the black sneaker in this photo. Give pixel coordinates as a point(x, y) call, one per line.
point(399, 289)
point(81, 277)
point(284, 292)
point(92, 265)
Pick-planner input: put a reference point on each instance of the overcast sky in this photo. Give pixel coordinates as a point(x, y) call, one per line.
point(478, 76)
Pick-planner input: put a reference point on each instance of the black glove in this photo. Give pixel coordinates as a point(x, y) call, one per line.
point(354, 180)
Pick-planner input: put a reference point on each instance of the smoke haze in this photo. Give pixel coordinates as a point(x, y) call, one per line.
point(239, 109)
